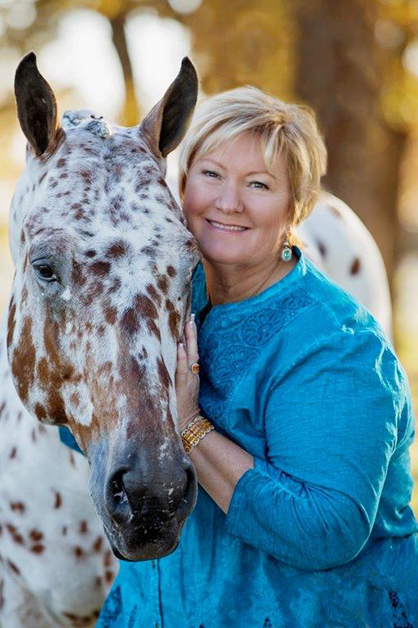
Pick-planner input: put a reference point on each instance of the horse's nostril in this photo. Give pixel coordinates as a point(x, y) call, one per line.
point(117, 488)
point(151, 494)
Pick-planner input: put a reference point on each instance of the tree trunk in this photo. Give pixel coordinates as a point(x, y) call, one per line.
point(240, 42)
point(339, 74)
point(130, 113)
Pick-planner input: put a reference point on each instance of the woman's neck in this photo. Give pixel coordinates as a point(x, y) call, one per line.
point(227, 283)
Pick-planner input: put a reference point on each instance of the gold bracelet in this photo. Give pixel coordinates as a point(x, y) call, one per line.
point(194, 432)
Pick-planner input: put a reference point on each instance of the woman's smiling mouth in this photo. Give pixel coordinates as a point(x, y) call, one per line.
point(219, 226)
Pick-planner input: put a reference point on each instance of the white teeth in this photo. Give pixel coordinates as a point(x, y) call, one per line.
point(228, 227)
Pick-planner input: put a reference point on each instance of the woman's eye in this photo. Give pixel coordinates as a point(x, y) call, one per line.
point(210, 173)
point(259, 185)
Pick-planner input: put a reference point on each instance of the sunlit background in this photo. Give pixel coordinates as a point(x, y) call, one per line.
point(355, 63)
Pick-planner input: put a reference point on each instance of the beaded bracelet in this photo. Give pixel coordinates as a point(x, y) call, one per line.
point(194, 432)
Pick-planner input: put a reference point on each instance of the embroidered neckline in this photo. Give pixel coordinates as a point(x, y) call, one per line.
point(200, 300)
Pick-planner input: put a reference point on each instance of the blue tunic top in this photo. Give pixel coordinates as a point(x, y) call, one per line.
point(320, 533)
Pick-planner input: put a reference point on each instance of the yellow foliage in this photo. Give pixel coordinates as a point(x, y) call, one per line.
point(241, 42)
point(111, 8)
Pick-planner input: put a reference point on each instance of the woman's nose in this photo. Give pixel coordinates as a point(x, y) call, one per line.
point(229, 199)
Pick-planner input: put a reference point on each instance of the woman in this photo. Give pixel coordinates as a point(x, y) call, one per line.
point(302, 518)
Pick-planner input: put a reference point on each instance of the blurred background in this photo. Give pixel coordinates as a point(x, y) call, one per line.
point(354, 62)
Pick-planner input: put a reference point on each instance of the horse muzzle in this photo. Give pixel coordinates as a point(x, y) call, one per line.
point(143, 500)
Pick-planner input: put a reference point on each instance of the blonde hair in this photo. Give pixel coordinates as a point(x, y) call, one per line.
point(286, 129)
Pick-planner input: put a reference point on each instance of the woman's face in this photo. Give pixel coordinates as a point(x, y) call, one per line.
point(235, 208)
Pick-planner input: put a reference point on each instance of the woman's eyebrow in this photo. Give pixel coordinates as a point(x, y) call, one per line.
point(248, 174)
point(261, 172)
point(213, 161)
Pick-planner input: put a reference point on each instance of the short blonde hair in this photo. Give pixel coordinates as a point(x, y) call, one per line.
point(284, 128)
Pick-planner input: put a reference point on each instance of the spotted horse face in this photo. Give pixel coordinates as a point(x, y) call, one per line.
point(100, 296)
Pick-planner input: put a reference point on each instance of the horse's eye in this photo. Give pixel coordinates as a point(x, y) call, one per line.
point(45, 272)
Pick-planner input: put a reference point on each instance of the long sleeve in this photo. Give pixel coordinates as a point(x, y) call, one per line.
point(332, 423)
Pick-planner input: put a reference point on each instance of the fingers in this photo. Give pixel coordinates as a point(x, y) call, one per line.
point(182, 362)
point(187, 382)
point(187, 354)
point(191, 341)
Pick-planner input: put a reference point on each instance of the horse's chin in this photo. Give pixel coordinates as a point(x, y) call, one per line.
point(148, 552)
point(136, 544)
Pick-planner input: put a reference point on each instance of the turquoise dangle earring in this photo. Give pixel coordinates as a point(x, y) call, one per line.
point(286, 253)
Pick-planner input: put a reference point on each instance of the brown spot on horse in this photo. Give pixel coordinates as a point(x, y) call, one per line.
point(11, 322)
point(37, 549)
point(83, 527)
point(163, 283)
point(58, 500)
point(100, 269)
point(173, 319)
point(130, 321)
point(154, 295)
point(23, 360)
point(117, 250)
point(98, 544)
point(18, 507)
point(13, 567)
point(36, 535)
point(40, 412)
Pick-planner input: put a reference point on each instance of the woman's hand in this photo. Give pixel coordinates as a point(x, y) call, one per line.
point(218, 461)
point(187, 383)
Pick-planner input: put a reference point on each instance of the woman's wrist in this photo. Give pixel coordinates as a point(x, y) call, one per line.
point(195, 431)
point(188, 418)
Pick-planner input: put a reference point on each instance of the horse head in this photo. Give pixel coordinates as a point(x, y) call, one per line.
point(100, 295)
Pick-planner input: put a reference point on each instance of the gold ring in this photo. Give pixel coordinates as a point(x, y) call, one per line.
point(195, 368)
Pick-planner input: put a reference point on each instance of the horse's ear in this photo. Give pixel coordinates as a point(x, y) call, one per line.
point(36, 106)
point(167, 122)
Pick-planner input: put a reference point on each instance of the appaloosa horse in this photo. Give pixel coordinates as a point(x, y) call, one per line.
point(103, 262)
point(340, 245)
point(99, 299)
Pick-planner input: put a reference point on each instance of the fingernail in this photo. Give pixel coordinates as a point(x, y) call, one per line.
point(181, 345)
point(192, 318)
